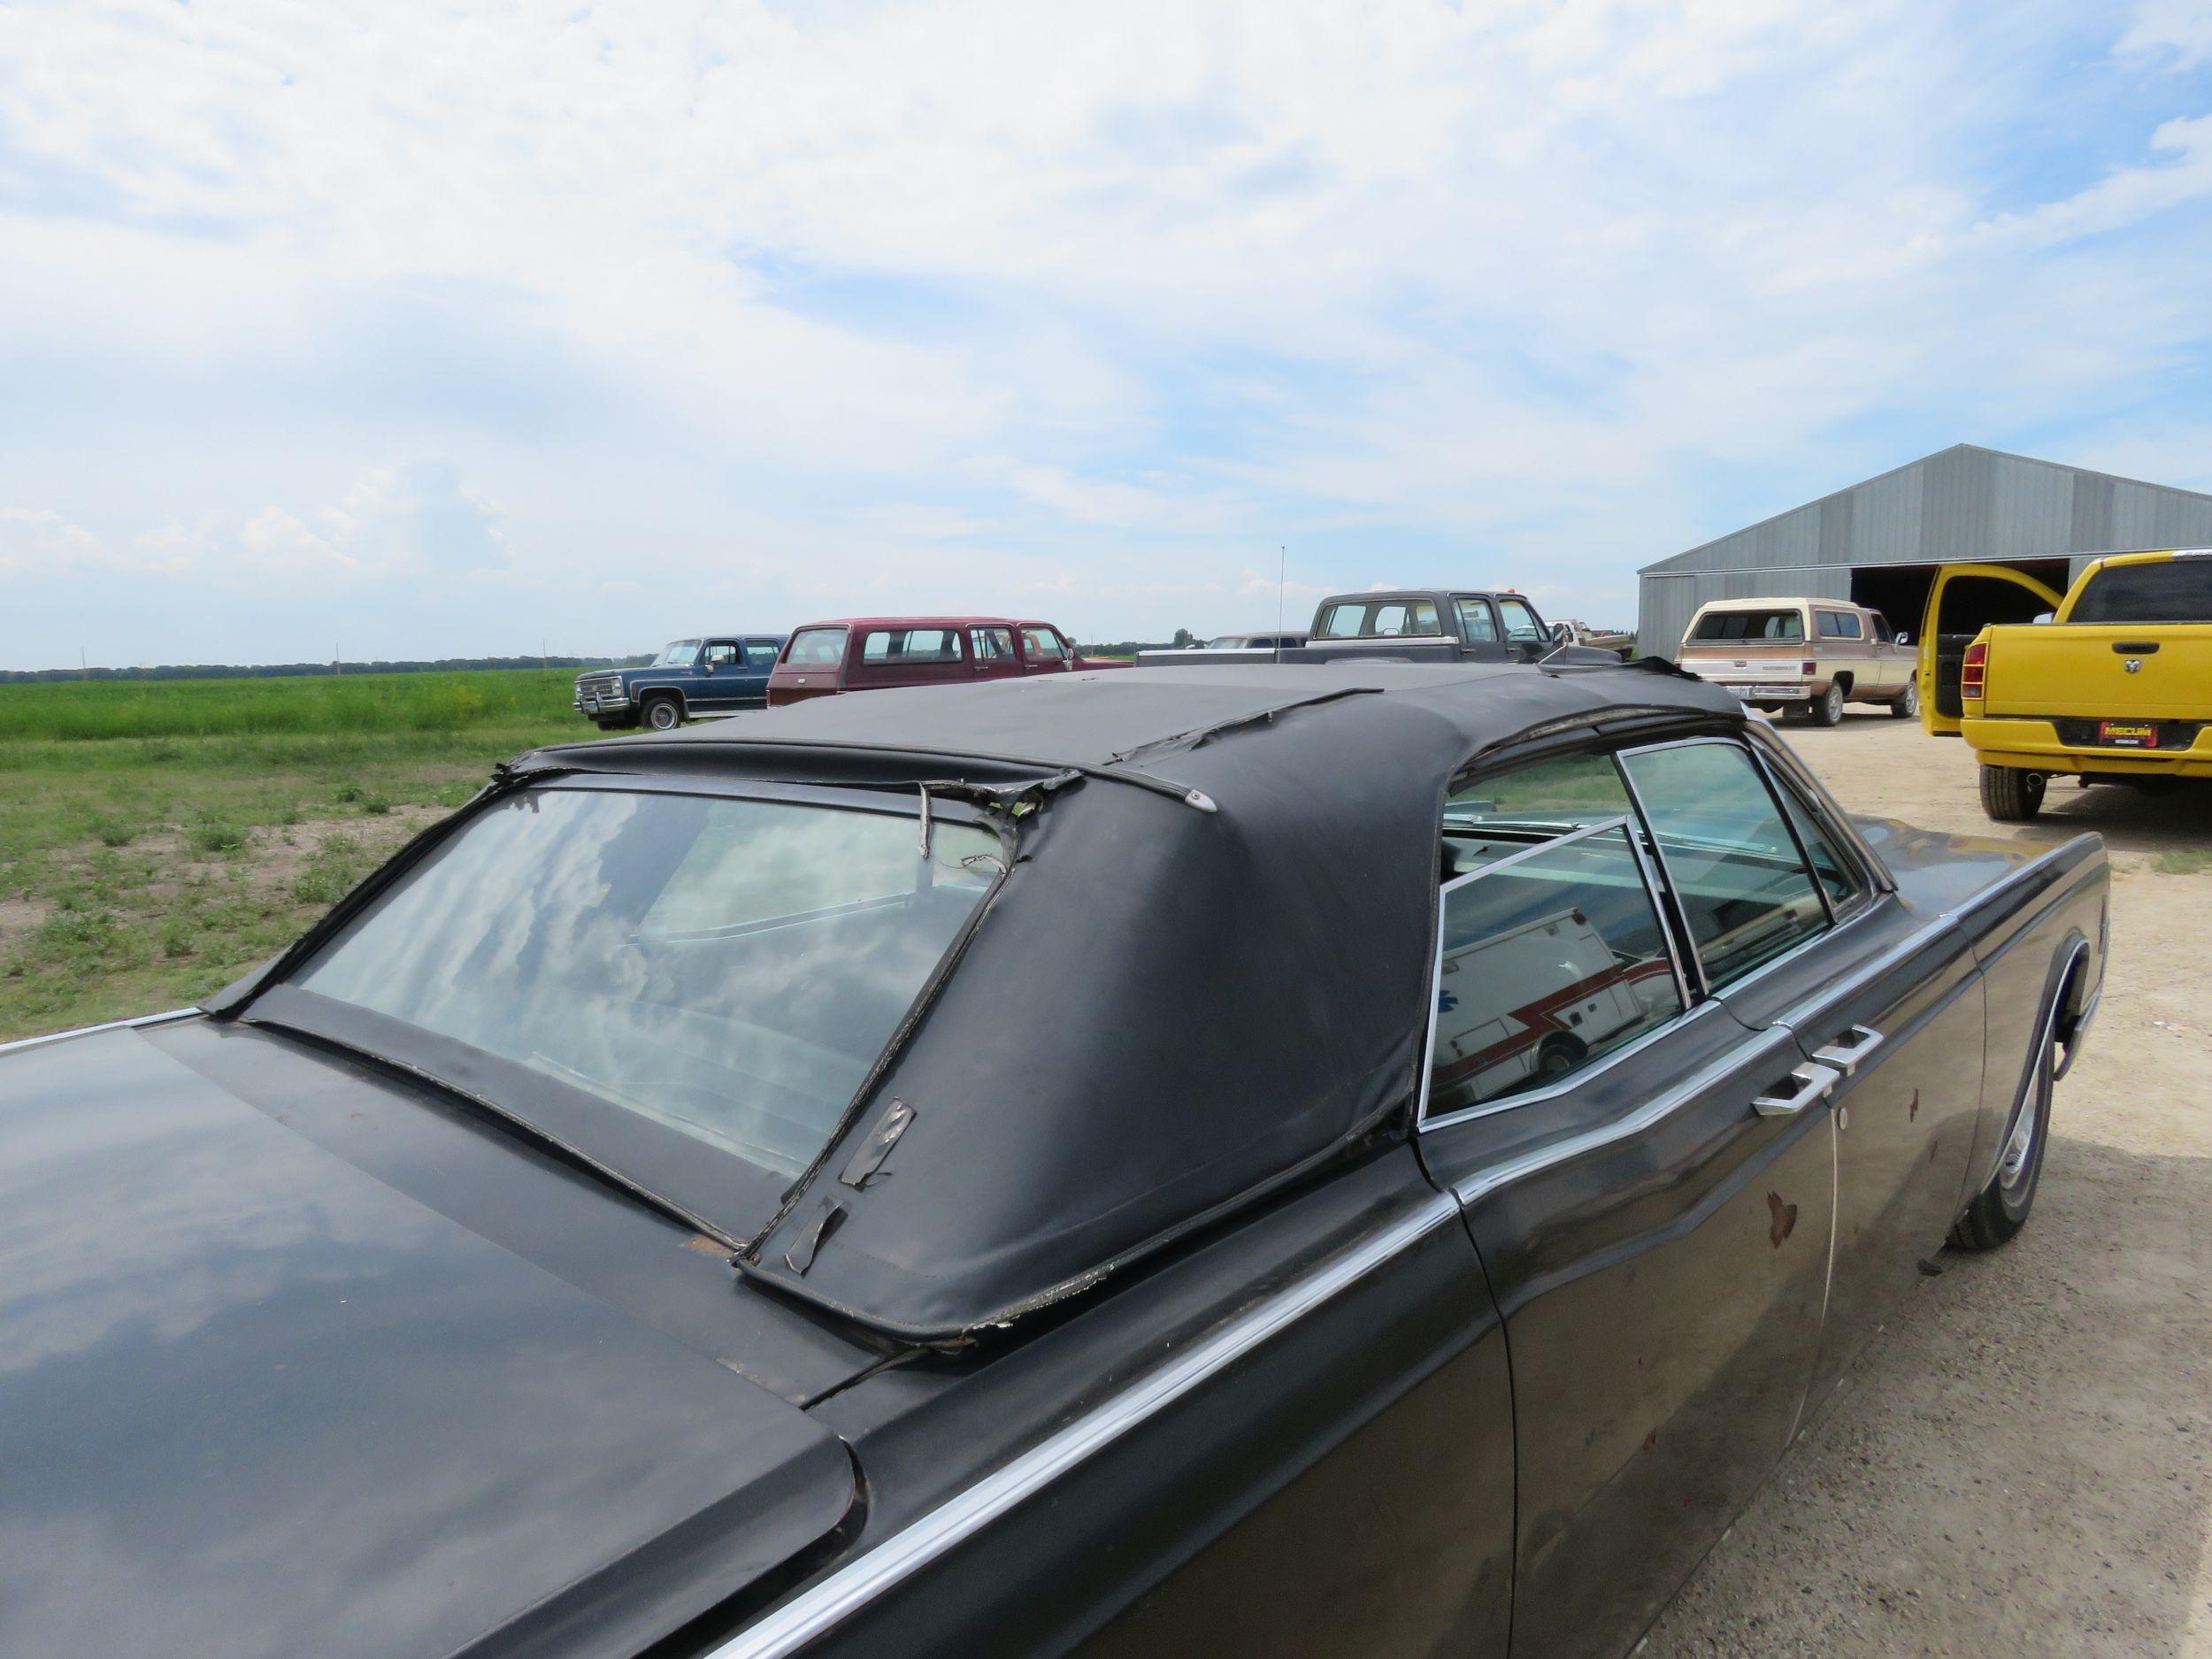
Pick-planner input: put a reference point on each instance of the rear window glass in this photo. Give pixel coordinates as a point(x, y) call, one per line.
point(886, 646)
point(1750, 624)
point(1379, 618)
point(727, 969)
point(816, 648)
point(2173, 590)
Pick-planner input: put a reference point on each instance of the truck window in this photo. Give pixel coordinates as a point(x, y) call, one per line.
point(1379, 618)
point(885, 646)
point(1750, 624)
point(1545, 962)
point(2170, 590)
point(1520, 622)
point(1477, 624)
point(816, 648)
point(1881, 629)
point(995, 645)
point(719, 654)
point(1838, 625)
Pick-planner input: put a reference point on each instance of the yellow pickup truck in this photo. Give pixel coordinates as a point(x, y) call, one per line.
point(2111, 683)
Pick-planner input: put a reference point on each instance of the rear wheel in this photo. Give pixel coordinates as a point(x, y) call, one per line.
point(1827, 708)
point(1558, 1056)
point(2011, 796)
point(663, 714)
point(1906, 707)
point(2001, 1209)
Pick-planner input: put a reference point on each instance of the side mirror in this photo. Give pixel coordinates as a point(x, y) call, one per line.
point(1904, 639)
point(1563, 634)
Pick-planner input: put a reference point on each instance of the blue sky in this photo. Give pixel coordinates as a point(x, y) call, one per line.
point(447, 330)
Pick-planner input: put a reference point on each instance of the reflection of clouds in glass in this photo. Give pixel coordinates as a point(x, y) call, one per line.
point(589, 934)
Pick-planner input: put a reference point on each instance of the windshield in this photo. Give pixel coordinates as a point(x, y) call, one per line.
point(1750, 624)
point(679, 655)
point(2169, 590)
point(728, 968)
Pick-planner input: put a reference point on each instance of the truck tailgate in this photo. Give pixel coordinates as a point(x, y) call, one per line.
point(2101, 671)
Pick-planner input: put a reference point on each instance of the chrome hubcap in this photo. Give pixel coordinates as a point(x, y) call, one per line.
point(2020, 1149)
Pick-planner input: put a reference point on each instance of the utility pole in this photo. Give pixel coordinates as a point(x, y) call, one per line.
point(83, 671)
point(1282, 581)
point(337, 662)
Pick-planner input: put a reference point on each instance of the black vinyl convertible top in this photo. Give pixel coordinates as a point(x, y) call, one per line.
point(1204, 973)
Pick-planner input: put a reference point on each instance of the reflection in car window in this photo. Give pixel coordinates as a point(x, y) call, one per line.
point(1476, 622)
point(1727, 854)
point(729, 969)
point(1545, 963)
point(1520, 621)
point(1507, 811)
point(816, 648)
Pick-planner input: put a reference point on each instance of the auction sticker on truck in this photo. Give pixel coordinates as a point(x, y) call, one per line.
point(2126, 734)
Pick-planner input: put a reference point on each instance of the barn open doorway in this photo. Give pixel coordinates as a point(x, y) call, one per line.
point(1900, 592)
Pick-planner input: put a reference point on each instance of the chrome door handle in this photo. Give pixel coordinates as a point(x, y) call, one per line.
point(1814, 1082)
point(1847, 1058)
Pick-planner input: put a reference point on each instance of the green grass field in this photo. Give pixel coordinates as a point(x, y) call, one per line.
point(157, 839)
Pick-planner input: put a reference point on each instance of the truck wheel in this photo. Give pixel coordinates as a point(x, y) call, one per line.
point(1906, 707)
point(664, 714)
point(2001, 1209)
point(1558, 1056)
point(2011, 796)
point(1827, 708)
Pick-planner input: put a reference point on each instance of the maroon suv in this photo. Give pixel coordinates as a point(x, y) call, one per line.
point(870, 653)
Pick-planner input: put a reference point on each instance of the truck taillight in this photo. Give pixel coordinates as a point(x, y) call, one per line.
point(1974, 669)
point(1807, 669)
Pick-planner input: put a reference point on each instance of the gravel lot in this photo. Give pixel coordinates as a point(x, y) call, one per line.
point(2021, 1463)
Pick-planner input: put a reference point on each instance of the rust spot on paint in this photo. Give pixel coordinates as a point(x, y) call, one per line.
point(1915, 1117)
point(1935, 1145)
point(1783, 1217)
point(1651, 1441)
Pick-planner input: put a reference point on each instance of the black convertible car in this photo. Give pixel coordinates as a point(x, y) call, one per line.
point(1376, 1160)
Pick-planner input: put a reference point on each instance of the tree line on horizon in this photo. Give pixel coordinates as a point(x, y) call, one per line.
point(298, 670)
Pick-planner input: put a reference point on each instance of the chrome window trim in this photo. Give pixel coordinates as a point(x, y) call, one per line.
point(85, 1031)
point(814, 1611)
point(1653, 1111)
point(1484, 1109)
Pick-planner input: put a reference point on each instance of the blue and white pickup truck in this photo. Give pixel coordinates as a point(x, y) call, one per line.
point(690, 680)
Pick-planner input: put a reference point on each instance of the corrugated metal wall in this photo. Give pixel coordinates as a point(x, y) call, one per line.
point(1963, 504)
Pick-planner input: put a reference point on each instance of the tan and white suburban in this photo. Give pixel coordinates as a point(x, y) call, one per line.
point(1809, 656)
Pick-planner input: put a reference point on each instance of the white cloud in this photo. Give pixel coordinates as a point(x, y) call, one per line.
point(960, 298)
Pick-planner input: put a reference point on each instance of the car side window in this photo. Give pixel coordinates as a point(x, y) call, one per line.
point(1830, 867)
point(1548, 958)
point(886, 646)
point(1342, 622)
point(1881, 629)
point(760, 654)
point(1726, 852)
point(1476, 622)
point(1520, 622)
point(1043, 645)
point(719, 654)
point(995, 645)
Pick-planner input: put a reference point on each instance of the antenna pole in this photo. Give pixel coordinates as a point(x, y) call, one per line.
point(1282, 581)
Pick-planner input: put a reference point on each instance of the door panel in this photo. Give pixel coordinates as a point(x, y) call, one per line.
point(1895, 1005)
point(1659, 1250)
point(1966, 599)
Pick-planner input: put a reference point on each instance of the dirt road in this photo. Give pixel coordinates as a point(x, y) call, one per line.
point(2021, 1463)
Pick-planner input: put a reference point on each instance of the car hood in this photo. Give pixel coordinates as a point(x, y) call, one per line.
point(254, 1401)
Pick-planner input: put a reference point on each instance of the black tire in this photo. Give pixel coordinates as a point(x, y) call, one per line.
point(2001, 1209)
point(2011, 796)
point(663, 713)
point(1908, 706)
point(1827, 708)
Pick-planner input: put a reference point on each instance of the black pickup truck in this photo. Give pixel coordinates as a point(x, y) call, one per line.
point(1417, 625)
